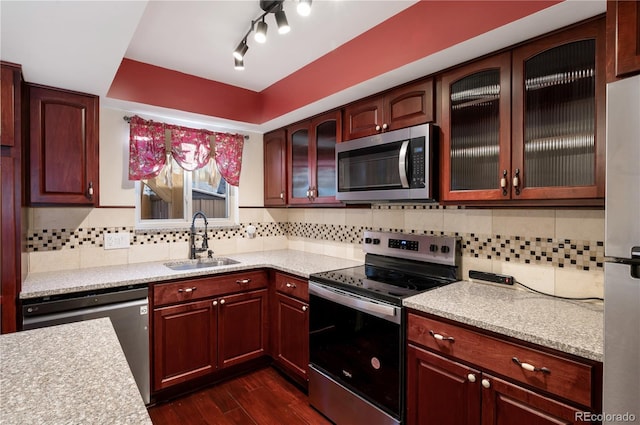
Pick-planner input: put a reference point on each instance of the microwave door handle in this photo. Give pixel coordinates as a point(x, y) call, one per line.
point(402, 164)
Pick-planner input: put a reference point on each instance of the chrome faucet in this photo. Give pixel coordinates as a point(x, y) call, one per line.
point(192, 237)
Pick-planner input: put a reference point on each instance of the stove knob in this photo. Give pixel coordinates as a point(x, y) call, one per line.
point(433, 248)
point(445, 249)
point(376, 241)
point(367, 240)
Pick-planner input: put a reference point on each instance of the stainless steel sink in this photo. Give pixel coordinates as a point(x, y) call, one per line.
point(200, 263)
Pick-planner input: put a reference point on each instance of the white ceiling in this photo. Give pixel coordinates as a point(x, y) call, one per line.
point(78, 45)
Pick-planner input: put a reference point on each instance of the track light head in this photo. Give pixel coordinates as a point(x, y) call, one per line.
point(304, 7)
point(241, 50)
point(281, 21)
point(238, 64)
point(261, 32)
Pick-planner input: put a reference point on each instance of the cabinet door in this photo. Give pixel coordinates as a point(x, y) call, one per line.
point(242, 327)
point(558, 115)
point(363, 118)
point(275, 170)
point(292, 335)
point(441, 391)
point(8, 81)
point(184, 342)
point(476, 148)
point(63, 165)
point(299, 150)
point(409, 105)
point(326, 132)
point(627, 35)
point(504, 403)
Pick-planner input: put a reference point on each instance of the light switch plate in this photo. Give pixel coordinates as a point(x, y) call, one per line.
point(117, 240)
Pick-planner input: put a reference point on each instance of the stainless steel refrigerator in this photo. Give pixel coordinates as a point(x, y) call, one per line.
point(622, 249)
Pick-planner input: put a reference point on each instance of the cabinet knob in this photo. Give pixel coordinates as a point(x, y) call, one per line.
point(305, 308)
point(378, 128)
point(486, 383)
point(471, 377)
point(215, 302)
point(385, 126)
point(281, 195)
point(290, 285)
point(222, 301)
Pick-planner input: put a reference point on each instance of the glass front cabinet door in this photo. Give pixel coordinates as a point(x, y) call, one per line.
point(528, 124)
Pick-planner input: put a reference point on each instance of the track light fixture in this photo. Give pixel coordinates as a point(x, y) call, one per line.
point(260, 26)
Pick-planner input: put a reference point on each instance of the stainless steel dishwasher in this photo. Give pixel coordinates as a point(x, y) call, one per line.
point(128, 309)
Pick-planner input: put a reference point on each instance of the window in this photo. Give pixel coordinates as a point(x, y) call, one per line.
point(177, 172)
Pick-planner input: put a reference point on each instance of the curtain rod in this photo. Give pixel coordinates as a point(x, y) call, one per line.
point(128, 119)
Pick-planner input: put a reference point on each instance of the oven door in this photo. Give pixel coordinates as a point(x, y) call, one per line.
point(358, 342)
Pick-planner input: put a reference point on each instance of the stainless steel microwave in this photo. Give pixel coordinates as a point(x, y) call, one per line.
point(394, 166)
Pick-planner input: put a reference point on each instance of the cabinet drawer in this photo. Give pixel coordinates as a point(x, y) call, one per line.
point(213, 286)
point(292, 286)
point(566, 378)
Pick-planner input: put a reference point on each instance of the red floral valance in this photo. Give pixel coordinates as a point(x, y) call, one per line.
point(191, 148)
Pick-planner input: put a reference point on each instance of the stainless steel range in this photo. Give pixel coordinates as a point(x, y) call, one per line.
point(356, 325)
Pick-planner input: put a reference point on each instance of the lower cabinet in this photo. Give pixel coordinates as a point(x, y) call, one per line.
point(211, 324)
point(459, 376)
point(290, 331)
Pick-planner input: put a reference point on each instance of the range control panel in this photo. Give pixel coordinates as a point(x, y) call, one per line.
point(431, 248)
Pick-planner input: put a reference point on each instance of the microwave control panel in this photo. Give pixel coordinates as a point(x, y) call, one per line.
point(417, 162)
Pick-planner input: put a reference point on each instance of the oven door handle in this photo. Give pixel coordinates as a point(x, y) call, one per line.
point(386, 312)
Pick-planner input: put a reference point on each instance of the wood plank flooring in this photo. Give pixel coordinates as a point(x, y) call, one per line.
point(263, 397)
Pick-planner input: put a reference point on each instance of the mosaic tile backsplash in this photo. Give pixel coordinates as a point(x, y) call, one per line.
point(562, 253)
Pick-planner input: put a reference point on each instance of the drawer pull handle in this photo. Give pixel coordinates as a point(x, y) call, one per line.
point(290, 285)
point(243, 281)
point(441, 337)
point(187, 289)
point(530, 367)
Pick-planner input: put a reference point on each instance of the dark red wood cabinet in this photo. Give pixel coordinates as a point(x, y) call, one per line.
point(468, 377)
point(290, 326)
point(63, 147)
point(275, 168)
point(311, 147)
point(527, 125)
point(624, 16)
point(10, 195)
point(404, 106)
point(203, 325)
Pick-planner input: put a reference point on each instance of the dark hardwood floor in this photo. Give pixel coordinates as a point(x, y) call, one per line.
point(263, 397)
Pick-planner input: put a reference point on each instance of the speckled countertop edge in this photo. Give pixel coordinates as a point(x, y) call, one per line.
point(569, 326)
point(68, 374)
point(299, 263)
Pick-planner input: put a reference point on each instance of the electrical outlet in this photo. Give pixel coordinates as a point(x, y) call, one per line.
point(117, 240)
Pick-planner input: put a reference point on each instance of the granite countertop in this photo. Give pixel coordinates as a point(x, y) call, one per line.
point(68, 374)
point(574, 327)
point(68, 281)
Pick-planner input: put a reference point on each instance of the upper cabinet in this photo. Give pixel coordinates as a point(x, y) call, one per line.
point(401, 107)
point(624, 20)
point(275, 169)
point(63, 147)
point(311, 159)
point(528, 124)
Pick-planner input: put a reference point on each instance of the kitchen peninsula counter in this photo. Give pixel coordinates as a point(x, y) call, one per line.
point(68, 374)
point(574, 327)
point(299, 263)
